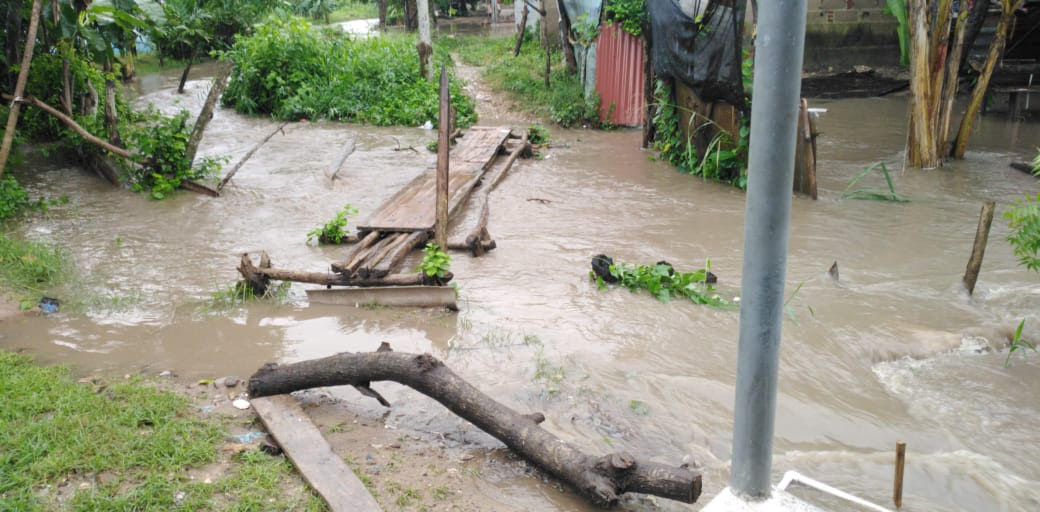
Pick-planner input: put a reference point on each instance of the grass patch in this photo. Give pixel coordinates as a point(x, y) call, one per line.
point(290, 71)
point(240, 293)
point(352, 10)
point(148, 63)
point(30, 269)
point(873, 194)
point(121, 446)
point(523, 78)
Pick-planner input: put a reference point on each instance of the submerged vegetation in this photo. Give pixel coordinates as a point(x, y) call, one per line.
point(665, 283)
point(289, 70)
point(873, 193)
point(523, 78)
point(122, 446)
point(1018, 344)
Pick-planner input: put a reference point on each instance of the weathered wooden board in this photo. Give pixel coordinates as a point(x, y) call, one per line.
point(326, 473)
point(412, 208)
point(401, 296)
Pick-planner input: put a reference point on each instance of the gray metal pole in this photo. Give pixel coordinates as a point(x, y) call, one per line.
point(778, 66)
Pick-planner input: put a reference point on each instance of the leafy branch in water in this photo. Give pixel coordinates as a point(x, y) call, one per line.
point(1024, 220)
point(664, 283)
point(873, 193)
point(1017, 343)
point(435, 263)
point(334, 230)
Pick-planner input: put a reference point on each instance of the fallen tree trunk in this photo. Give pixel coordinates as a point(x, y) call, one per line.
point(89, 137)
point(227, 178)
point(199, 188)
point(602, 479)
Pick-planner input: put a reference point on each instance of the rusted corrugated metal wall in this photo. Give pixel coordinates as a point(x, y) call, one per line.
point(619, 76)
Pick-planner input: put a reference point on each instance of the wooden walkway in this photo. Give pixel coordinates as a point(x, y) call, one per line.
point(413, 208)
point(405, 221)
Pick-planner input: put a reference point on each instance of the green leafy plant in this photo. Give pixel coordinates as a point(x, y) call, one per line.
point(723, 160)
point(13, 198)
point(1017, 343)
point(897, 9)
point(435, 263)
point(873, 193)
point(630, 14)
point(664, 283)
point(538, 134)
point(290, 71)
point(164, 140)
point(334, 230)
point(1024, 221)
point(586, 30)
point(1036, 163)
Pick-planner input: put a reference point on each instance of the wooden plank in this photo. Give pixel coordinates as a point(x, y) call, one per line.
point(326, 473)
point(412, 207)
point(400, 296)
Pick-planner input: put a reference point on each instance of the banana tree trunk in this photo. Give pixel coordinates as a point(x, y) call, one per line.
point(996, 49)
point(19, 88)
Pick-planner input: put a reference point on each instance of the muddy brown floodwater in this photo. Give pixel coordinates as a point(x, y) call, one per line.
point(895, 351)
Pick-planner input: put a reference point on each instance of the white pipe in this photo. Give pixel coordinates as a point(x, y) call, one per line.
point(794, 476)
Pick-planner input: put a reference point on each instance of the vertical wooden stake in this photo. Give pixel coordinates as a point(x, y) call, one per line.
point(971, 274)
point(19, 88)
point(440, 227)
point(494, 12)
point(897, 492)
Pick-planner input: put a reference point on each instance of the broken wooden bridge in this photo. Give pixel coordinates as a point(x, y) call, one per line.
point(407, 219)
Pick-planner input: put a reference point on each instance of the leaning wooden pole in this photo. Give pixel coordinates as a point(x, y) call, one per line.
point(971, 274)
point(521, 32)
point(440, 228)
point(19, 88)
point(206, 114)
point(224, 181)
point(602, 479)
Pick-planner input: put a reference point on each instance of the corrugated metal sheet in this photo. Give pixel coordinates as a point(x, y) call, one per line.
point(619, 76)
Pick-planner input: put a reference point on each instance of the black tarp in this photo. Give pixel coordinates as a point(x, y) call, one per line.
point(704, 53)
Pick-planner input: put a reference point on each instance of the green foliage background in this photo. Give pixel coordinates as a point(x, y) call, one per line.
point(291, 71)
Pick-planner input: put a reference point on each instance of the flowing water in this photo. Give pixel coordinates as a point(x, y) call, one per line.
point(892, 351)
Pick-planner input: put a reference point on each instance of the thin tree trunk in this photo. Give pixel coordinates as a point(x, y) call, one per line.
point(425, 44)
point(565, 39)
point(19, 87)
point(111, 117)
point(951, 82)
point(219, 84)
point(13, 33)
point(187, 69)
point(520, 34)
point(66, 86)
point(601, 479)
point(996, 49)
point(976, 19)
point(382, 13)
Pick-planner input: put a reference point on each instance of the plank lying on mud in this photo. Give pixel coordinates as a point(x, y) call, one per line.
point(398, 296)
point(326, 473)
point(412, 208)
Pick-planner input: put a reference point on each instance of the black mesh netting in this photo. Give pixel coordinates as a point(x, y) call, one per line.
point(703, 53)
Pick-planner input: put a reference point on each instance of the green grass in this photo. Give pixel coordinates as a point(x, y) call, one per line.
point(121, 446)
point(353, 10)
point(148, 63)
point(28, 270)
point(523, 78)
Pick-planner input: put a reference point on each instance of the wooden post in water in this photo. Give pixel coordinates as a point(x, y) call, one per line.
point(971, 274)
point(897, 491)
point(440, 227)
point(425, 44)
point(494, 11)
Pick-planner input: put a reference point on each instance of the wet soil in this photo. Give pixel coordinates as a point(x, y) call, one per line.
point(893, 351)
